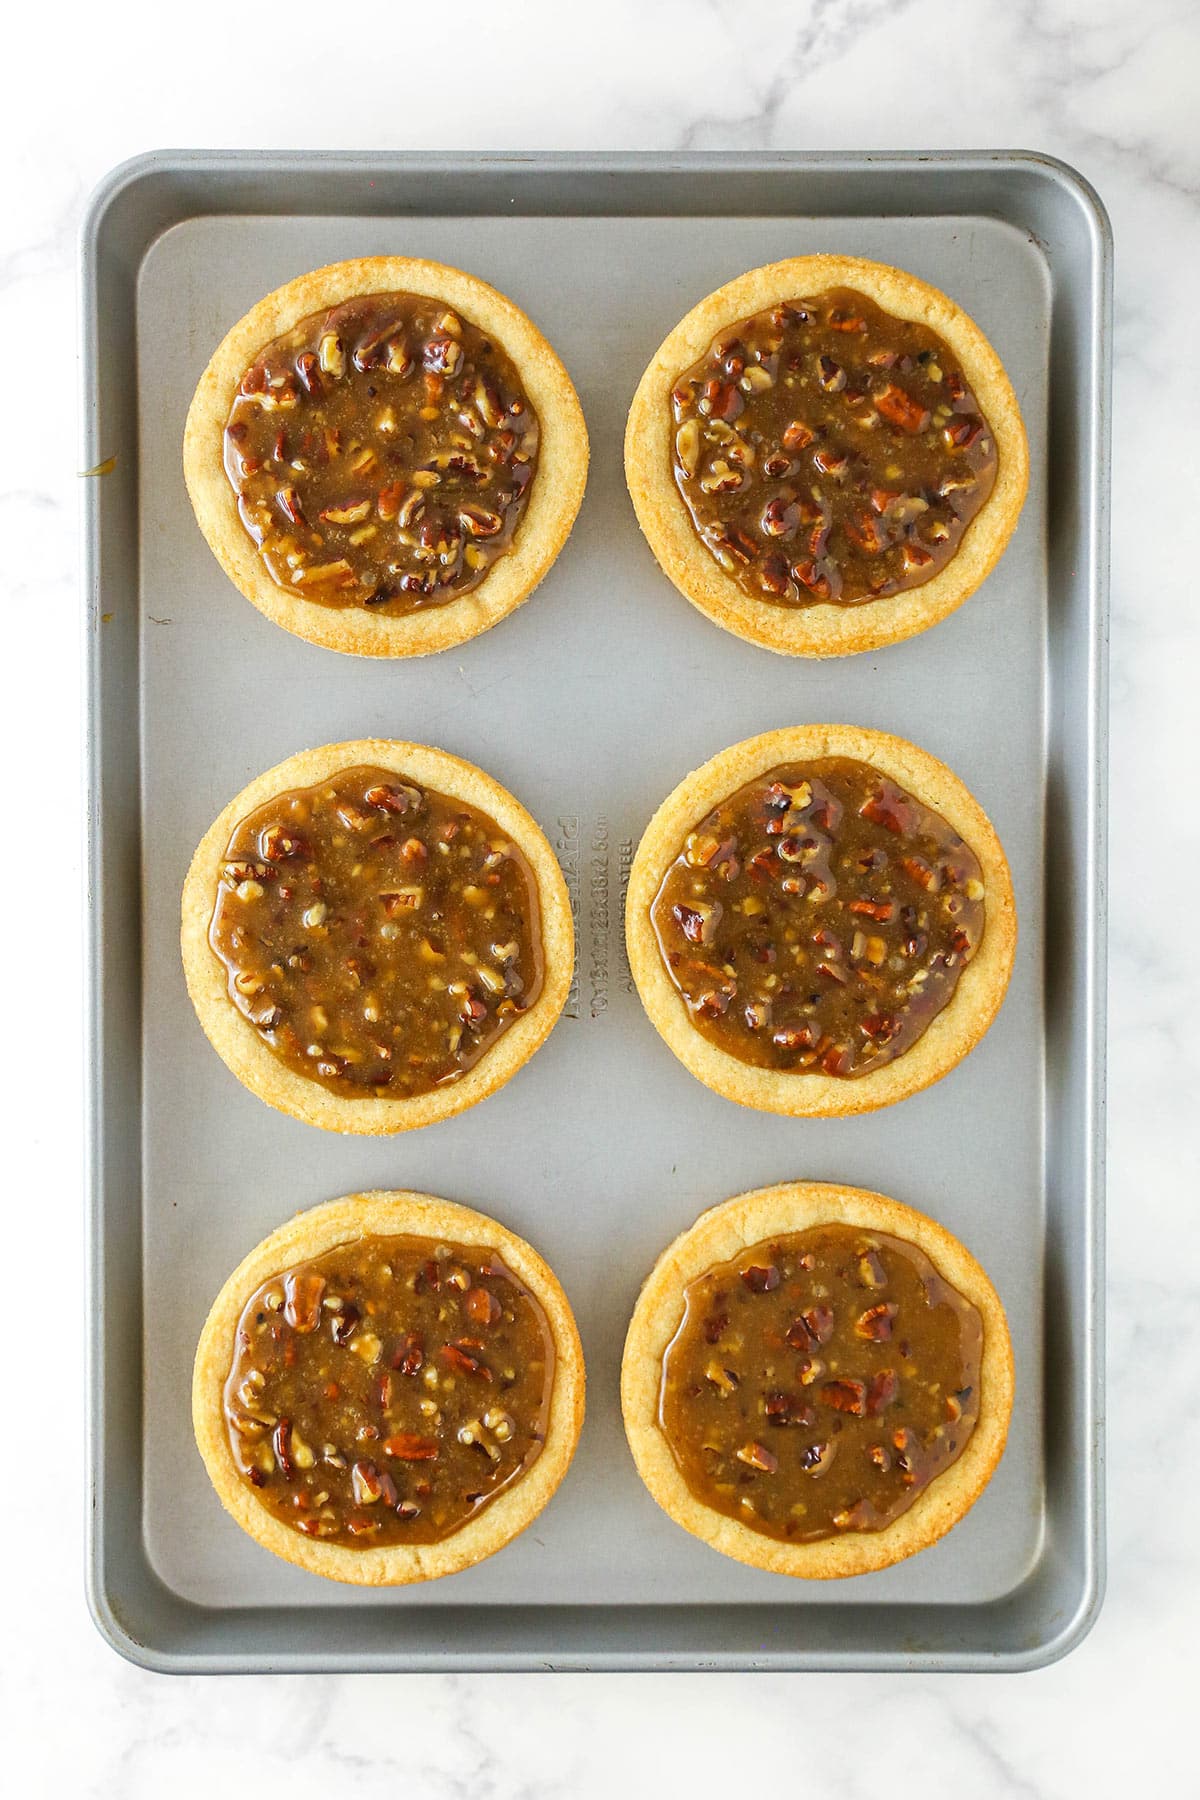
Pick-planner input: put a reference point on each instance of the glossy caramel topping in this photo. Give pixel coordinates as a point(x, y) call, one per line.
point(386, 1392)
point(379, 936)
point(819, 1382)
point(819, 918)
point(827, 451)
point(382, 453)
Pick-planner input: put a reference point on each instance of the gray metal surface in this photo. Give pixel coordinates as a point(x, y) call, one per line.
point(590, 703)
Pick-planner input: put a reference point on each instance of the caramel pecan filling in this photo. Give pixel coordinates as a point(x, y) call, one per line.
point(381, 453)
point(827, 451)
point(380, 937)
point(819, 918)
point(818, 1383)
point(387, 1391)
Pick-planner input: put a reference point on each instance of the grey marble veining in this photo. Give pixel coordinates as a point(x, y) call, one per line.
point(1110, 88)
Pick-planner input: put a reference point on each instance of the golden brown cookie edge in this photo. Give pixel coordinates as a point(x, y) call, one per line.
point(821, 630)
point(549, 515)
point(717, 1236)
point(950, 1037)
point(310, 1234)
point(238, 1044)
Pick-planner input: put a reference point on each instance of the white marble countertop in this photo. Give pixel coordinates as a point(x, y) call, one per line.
point(1109, 87)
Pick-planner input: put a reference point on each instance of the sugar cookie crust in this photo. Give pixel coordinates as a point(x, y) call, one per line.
point(554, 497)
point(717, 1236)
point(823, 629)
point(946, 1040)
point(254, 1062)
point(311, 1234)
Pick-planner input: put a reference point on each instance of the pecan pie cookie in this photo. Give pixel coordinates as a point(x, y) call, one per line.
point(375, 936)
point(385, 456)
point(826, 456)
point(820, 921)
point(817, 1380)
point(389, 1388)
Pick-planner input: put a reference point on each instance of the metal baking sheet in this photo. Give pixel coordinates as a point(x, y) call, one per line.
point(590, 703)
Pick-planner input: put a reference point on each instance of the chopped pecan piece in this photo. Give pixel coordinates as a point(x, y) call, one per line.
point(761, 1280)
point(830, 374)
point(303, 1292)
point(889, 809)
point(813, 578)
point(871, 1272)
point(698, 923)
point(460, 1358)
point(876, 1323)
point(881, 1391)
point(279, 845)
point(796, 436)
point(281, 1443)
point(409, 1446)
point(787, 1409)
point(367, 1483)
point(846, 1396)
point(482, 1306)
point(873, 909)
point(853, 1518)
point(409, 1355)
point(901, 410)
point(343, 1323)
point(757, 1456)
point(393, 797)
point(963, 430)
